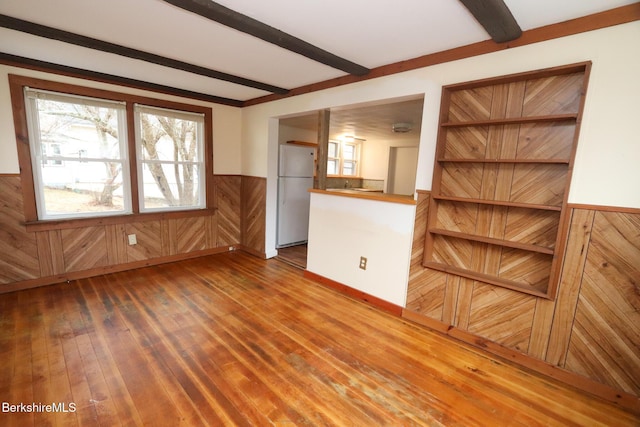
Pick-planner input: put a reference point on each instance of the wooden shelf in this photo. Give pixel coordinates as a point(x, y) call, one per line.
point(513, 120)
point(492, 241)
point(499, 203)
point(486, 278)
point(515, 161)
point(472, 190)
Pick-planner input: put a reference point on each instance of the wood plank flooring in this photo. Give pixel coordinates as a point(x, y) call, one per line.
point(232, 339)
point(294, 255)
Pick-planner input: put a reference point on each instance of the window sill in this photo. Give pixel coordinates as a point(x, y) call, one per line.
point(61, 224)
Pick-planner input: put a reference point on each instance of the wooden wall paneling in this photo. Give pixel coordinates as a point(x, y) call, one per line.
point(419, 230)
point(84, 248)
point(18, 248)
point(211, 225)
point(502, 316)
point(463, 303)
point(253, 209)
point(44, 254)
point(50, 253)
point(481, 99)
point(426, 294)
point(605, 340)
point(228, 193)
point(560, 94)
point(116, 241)
point(451, 299)
point(165, 237)
point(569, 288)
point(507, 146)
point(190, 234)
point(149, 238)
point(540, 327)
point(426, 289)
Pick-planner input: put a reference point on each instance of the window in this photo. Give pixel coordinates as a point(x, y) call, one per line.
point(170, 159)
point(343, 158)
point(86, 139)
point(93, 153)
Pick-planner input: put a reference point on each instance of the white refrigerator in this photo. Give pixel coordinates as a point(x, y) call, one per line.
point(295, 178)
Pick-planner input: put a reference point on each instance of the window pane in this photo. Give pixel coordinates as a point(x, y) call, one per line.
point(79, 188)
point(171, 144)
point(349, 168)
point(349, 152)
point(78, 155)
point(333, 149)
point(168, 185)
point(167, 138)
point(332, 167)
point(78, 129)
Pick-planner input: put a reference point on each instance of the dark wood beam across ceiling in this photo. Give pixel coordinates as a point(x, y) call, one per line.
point(91, 43)
point(496, 18)
point(49, 67)
point(230, 18)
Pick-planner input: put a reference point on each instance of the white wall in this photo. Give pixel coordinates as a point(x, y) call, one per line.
point(375, 157)
point(352, 228)
point(227, 121)
point(606, 170)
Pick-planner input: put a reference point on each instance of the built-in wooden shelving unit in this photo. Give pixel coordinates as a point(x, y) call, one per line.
point(501, 178)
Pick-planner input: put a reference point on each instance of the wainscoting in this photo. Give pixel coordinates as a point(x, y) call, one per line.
point(591, 329)
point(35, 258)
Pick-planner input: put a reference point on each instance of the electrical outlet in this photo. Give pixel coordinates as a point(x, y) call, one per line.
point(132, 239)
point(363, 263)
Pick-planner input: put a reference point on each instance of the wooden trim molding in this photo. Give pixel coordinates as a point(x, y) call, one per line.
point(625, 400)
point(355, 194)
point(609, 18)
point(114, 219)
point(83, 274)
point(16, 86)
point(354, 293)
point(605, 208)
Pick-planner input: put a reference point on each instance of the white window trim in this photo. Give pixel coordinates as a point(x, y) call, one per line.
point(341, 160)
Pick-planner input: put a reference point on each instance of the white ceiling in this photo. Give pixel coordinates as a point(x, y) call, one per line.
point(371, 33)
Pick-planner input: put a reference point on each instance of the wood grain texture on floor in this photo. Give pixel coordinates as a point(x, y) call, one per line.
point(232, 339)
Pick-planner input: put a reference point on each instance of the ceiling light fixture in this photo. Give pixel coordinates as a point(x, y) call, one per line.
point(401, 127)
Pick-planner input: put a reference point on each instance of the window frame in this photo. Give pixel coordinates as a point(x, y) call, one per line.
point(40, 159)
point(341, 160)
point(140, 109)
point(17, 84)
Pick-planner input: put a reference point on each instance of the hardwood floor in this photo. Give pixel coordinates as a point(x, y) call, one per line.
point(235, 340)
point(294, 255)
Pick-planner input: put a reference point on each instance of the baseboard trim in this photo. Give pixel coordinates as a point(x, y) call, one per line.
point(354, 293)
point(83, 274)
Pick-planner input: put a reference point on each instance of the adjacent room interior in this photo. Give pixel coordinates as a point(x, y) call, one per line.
point(430, 216)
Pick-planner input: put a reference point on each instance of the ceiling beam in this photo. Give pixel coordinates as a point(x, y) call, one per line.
point(248, 25)
point(496, 18)
point(50, 67)
point(91, 43)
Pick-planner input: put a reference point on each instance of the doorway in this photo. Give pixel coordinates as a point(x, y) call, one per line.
point(403, 163)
